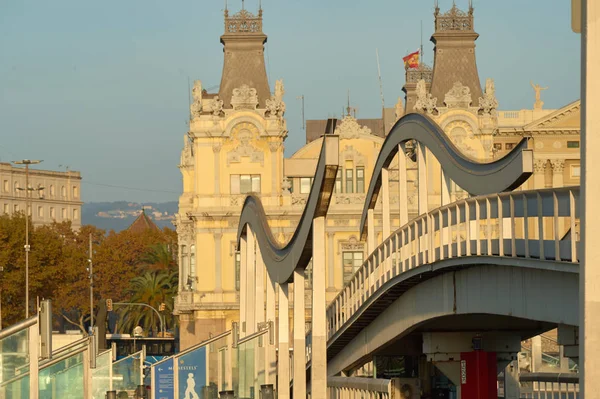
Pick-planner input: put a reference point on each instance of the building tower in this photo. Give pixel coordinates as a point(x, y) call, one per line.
point(234, 147)
point(454, 59)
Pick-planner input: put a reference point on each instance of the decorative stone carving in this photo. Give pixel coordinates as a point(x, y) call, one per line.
point(454, 20)
point(243, 22)
point(350, 199)
point(458, 96)
point(299, 199)
point(274, 145)
point(422, 72)
point(488, 103)
point(244, 97)
point(236, 200)
point(196, 106)
point(350, 154)
point(216, 106)
point(185, 232)
point(399, 108)
point(341, 222)
point(425, 102)
point(350, 129)
point(187, 154)
point(217, 147)
point(286, 185)
point(539, 165)
point(558, 165)
point(352, 245)
point(244, 133)
point(275, 105)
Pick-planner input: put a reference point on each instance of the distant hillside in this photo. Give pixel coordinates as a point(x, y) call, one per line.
point(119, 215)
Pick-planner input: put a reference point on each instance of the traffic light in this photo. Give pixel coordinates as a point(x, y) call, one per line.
point(109, 305)
point(162, 307)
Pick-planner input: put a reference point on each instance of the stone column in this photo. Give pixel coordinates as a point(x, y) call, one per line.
point(319, 327)
point(558, 167)
point(283, 332)
point(275, 180)
point(218, 262)
point(250, 283)
point(589, 275)
point(330, 261)
point(385, 201)
point(539, 166)
point(299, 335)
point(217, 166)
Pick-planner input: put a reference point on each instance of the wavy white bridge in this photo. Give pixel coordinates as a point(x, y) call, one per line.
point(463, 283)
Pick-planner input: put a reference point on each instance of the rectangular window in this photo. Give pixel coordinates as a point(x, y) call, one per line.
point(572, 144)
point(40, 211)
point(351, 262)
point(16, 208)
point(52, 213)
point(75, 192)
point(64, 213)
point(360, 180)
point(6, 186)
point(6, 208)
point(244, 184)
point(338, 181)
point(29, 210)
point(509, 146)
point(349, 181)
point(238, 261)
point(575, 171)
point(498, 146)
point(305, 184)
point(75, 214)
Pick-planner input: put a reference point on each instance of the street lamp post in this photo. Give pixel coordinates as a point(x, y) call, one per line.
point(27, 162)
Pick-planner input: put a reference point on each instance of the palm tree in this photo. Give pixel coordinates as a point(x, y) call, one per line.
point(152, 288)
point(159, 257)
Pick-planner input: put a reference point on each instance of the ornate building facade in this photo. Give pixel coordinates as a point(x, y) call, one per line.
point(53, 196)
point(235, 146)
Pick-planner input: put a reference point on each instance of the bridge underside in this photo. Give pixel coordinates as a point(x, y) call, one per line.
point(486, 299)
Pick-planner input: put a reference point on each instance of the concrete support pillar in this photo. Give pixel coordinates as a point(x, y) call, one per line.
point(259, 303)
point(446, 186)
point(299, 335)
point(512, 387)
point(319, 320)
point(243, 286)
point(283, 332)
point(371, 239)
point(422, 176)
point(385, 200)
point(402, 187)
point(270, 357)
point(250, 283)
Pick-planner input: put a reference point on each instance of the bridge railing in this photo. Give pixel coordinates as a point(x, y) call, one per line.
point(549, 385)
point(356, 387)
point(537, 224)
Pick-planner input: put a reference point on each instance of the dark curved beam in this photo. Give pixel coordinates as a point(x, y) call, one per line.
point(476, 178)
point(281, 261)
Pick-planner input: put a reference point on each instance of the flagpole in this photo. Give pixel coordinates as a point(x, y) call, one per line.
point(421, 53)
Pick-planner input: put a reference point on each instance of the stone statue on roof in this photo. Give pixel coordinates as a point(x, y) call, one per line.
point(488, 103)
point(425, 102)
point(196, 106)
point(538, 97)
point(275, 104)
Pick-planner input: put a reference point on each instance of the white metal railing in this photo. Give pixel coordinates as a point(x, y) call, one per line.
point(356, 387)
point(549, 386)
point(537, 224)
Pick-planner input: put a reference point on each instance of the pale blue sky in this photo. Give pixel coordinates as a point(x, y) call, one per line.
point(101, 86)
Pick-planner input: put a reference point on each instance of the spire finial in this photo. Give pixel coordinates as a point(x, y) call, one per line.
point(348, 109)
point(243, 5)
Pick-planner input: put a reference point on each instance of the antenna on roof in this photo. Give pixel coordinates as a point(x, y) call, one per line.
point(302, 98)
point(380, 81)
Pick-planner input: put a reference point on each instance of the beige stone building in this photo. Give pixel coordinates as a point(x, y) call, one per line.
point(53, 196)
point(235, 146)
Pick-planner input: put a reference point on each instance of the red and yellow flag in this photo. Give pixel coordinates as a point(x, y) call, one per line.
point(411, 60)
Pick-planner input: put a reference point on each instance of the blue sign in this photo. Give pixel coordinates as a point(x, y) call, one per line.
point(163, 379)
point(192, 374)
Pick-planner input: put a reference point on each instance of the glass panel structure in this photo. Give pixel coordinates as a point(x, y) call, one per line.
point(101, 375)
point(127, 373)
point(63, 379)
